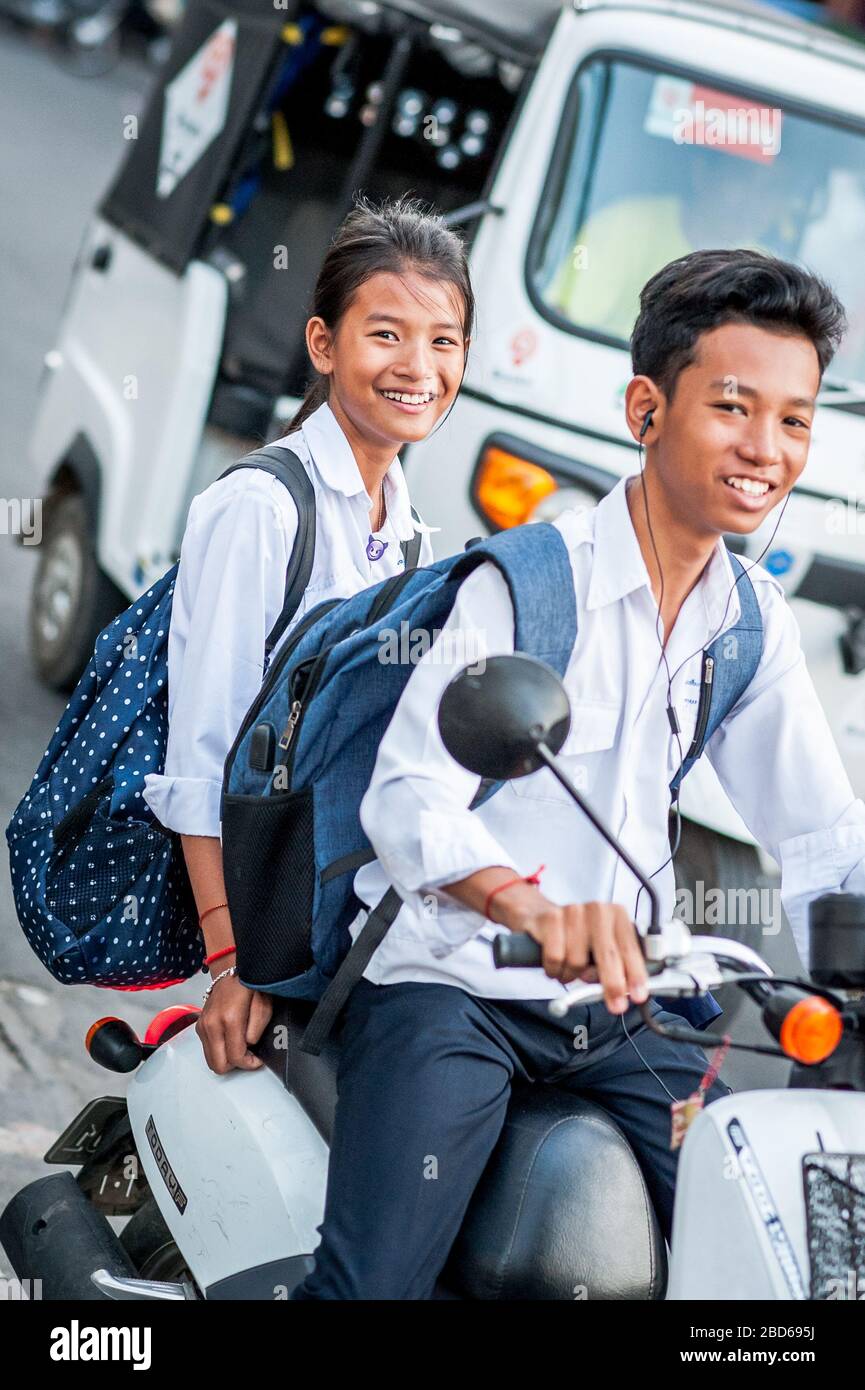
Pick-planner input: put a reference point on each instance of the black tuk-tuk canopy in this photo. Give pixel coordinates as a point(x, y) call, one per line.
point(224, 53)
point(516, 30)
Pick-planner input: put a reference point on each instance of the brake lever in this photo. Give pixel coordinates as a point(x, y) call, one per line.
point(699, 975)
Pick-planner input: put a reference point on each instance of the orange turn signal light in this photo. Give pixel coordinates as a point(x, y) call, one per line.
point(508, 488)
point(100, 1023)
point(812, 1030)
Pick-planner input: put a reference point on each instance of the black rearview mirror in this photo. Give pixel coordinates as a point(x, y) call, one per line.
point(492, 721)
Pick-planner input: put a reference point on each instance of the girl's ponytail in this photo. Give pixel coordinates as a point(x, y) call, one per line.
point(316, 395)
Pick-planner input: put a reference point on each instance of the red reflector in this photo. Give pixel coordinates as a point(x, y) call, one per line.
point(165, 1019)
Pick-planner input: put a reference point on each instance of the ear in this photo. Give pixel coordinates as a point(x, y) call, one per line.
point(319, 345)
point(642, 396)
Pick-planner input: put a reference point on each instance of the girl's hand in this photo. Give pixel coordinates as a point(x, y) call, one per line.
point(232, 1018)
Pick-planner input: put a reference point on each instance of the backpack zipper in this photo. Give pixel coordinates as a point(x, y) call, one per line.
point(270, 677)
point(291, 724)
point(316, 666)
point(705, 702)
point(310, 684)
point(306, 679)
point(298, 686)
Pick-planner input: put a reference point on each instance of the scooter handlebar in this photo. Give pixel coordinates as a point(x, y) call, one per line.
point(516, 948)
point(679, 963)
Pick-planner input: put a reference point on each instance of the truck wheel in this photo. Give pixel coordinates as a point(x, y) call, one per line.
point(72, 599)
point(151, 1246)
point(92, 44)
point(719, 862)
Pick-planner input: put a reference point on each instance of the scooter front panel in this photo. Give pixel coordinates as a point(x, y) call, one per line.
point(238, 1169)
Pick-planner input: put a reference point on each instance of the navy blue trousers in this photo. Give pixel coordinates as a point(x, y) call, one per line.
point(426, 1070)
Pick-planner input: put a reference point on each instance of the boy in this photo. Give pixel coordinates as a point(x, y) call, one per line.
point(728, 353)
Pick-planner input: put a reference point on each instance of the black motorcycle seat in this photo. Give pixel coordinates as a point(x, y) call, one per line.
point(561, 1210)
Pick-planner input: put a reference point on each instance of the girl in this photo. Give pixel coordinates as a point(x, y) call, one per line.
point(388, 338)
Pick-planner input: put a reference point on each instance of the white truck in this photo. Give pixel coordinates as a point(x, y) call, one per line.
point(581, 146)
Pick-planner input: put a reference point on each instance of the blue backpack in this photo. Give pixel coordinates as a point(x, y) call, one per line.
point(100, 886)
point(303, 758)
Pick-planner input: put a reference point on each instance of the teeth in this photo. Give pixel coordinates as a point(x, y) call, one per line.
point(749, 485)
point(409, 398)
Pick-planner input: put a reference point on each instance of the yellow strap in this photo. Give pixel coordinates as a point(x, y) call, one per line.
point(283, 151)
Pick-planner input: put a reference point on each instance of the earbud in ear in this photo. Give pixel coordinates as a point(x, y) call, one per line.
point(647, 420)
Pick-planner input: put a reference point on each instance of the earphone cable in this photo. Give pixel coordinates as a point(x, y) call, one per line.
point(670, 678)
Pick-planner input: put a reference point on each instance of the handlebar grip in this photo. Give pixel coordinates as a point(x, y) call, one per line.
point(516, 948)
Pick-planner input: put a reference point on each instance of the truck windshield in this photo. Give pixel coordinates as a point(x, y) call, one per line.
point(651, 165)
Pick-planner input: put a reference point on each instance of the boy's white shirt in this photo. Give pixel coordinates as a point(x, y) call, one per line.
point(230, 586)
point(774, 754)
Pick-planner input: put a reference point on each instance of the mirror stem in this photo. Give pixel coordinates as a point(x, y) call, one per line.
point(550, 760)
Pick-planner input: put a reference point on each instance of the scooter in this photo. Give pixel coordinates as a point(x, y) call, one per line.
point(223, 1177)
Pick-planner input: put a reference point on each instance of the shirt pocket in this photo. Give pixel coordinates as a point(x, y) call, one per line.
point(594, 724)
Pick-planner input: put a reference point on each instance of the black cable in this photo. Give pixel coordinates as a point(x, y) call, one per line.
point(646, 1064)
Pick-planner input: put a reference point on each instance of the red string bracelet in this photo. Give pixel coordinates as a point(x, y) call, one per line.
point(532, 878)
point(217, 955)
point(208, 910)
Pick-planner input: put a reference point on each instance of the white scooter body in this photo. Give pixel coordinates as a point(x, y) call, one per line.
point(237, 1167)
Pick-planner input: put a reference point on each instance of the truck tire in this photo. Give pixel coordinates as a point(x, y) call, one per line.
point(151, 1246)
point(719, 862)
point(72, 598)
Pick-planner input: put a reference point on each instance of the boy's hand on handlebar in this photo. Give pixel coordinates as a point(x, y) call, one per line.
point(595, 942)
point(232, 1018)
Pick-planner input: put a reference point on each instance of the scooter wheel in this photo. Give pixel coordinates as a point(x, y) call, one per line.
point(151, 1246)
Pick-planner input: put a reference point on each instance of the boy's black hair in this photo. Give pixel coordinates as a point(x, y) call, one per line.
point(705, 289)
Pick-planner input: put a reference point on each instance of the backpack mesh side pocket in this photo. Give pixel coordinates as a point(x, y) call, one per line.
point(269, 870)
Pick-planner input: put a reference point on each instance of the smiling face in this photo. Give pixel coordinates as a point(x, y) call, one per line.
point(734, 439)
point(396, 358)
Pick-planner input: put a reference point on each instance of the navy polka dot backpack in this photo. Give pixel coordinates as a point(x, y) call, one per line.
point(100, 886)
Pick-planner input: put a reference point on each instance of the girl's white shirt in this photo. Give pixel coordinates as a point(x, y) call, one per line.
point(230, 586)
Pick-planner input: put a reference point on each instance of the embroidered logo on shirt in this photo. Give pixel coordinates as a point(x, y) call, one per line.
point(375, 548)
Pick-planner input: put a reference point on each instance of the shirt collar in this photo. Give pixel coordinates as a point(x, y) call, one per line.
point(333, 457)
point(618, 567)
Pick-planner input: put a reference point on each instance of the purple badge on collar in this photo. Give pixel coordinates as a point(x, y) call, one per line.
point(375, 548)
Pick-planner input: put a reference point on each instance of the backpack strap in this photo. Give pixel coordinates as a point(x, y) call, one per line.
point(286, 466)
point(411, 549)
point(543, 598)
point(536, 565)
point(367, 941)
point(729, 665)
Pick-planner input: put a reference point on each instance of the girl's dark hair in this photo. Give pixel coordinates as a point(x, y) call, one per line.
point(394, 236)
point(705, 289)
